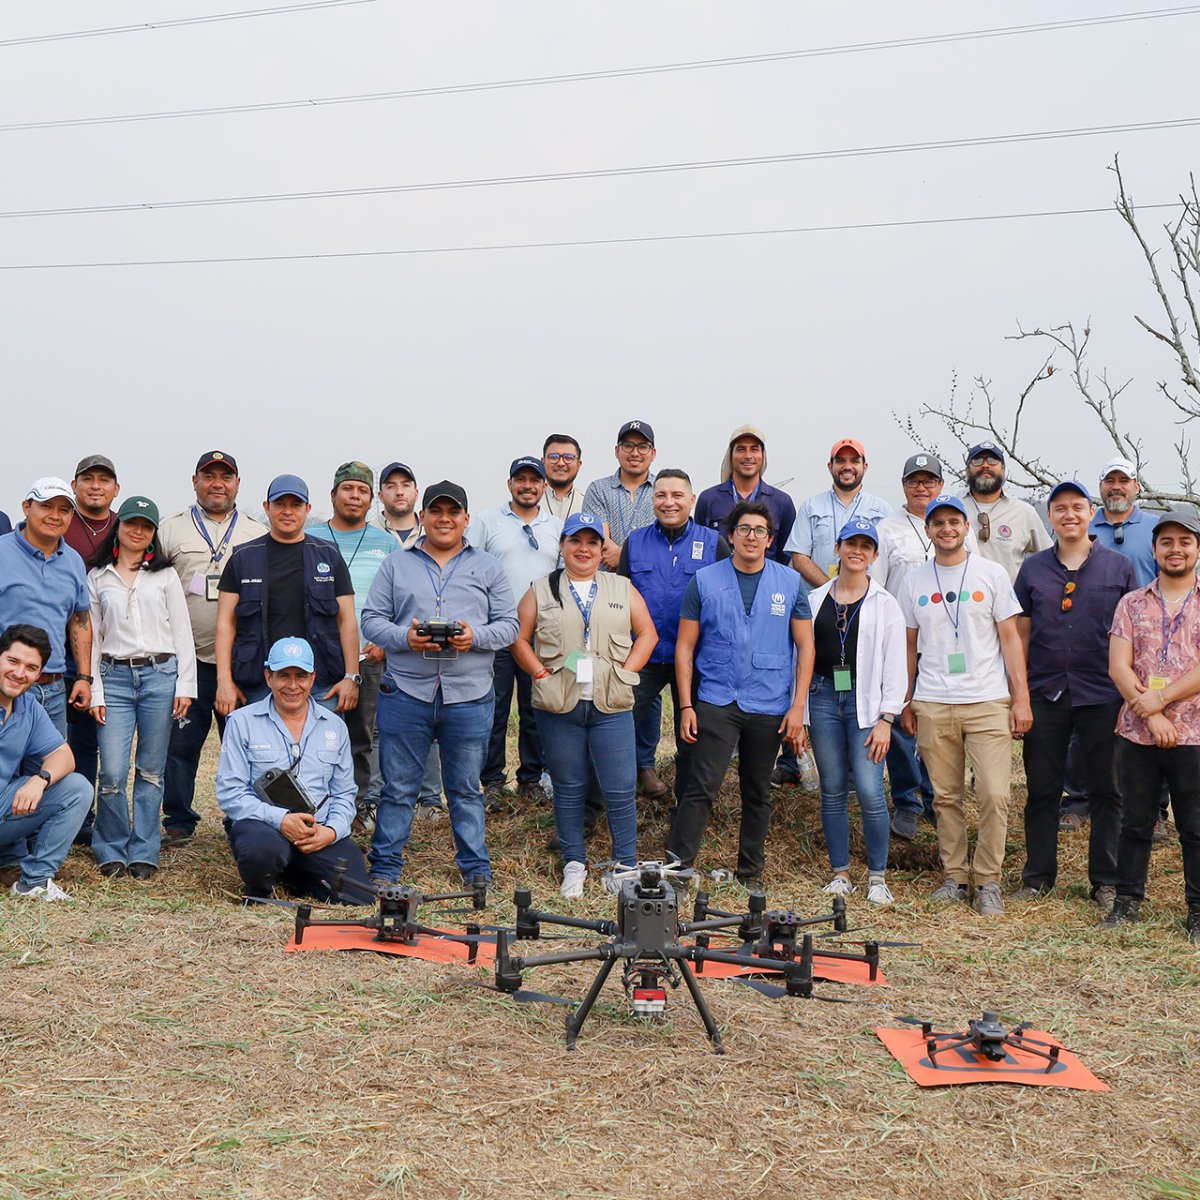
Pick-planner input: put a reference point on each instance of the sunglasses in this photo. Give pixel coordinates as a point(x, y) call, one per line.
point(985, 527)
point(1067, 602)
point(533, 542)
point(1119, 534)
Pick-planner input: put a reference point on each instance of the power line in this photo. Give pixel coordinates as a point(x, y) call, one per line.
point(242, 15)
point(610, 172)
point(619, 241)
point(585, 76)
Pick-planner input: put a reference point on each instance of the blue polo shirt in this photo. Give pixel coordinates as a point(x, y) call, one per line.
point(26, 732)
point(714, 504)
point(1137, 541)
point(42, 591)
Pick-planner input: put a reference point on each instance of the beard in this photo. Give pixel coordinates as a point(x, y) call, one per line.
point(1117, 504)
point(987, 485)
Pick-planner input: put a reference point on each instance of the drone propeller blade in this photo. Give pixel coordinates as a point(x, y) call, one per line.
point(832, 999)
point(837, 939)
point(523, 996)
point(271, 900)
point(773, 990)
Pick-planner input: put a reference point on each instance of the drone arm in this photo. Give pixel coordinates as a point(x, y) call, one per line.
point(592, 954)
point(607, 928)
point(687, 927)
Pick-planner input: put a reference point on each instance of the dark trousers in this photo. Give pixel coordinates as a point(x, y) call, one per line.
point(908, 775)
point(1057, 726)
point(360, 723)
point(265, 857)
point(721, 729)
point(531, 761)
point(655, 677)
point(1142, 771)
point(183, 753)
point(82, 738)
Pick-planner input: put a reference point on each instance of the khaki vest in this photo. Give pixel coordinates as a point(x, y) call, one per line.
point(559, 630)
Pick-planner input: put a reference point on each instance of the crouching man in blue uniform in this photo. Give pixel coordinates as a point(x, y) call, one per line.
point(290, 731)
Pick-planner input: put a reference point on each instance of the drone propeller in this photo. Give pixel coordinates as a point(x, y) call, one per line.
point(775, 992)
point(524, 996)
point(838, 939)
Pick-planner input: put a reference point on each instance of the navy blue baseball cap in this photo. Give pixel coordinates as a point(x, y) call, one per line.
point(1069, 485)
point(945, 501)
point(642, 428)
point(528, 463)
point(392, 468)
point(985, 448)
point(582, 521)
point(287, 485)
point(858, 528)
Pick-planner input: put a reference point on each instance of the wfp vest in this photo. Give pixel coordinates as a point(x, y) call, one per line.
point(320, 612)
point(559, 630)
point(747, 659)
point(661, 569)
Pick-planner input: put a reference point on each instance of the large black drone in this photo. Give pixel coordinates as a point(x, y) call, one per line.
point(986, 1038)
point(646, 938)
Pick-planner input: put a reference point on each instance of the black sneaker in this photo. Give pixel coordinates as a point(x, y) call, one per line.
point(904, 824)
point(1125, 911)
point(1193, 924)
point(782, 778)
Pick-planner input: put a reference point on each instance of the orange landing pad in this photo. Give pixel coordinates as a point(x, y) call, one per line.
point(830, 970)
point(963, 1066)
point(333, 937)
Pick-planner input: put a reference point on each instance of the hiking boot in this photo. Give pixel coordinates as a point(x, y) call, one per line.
point(142, 870)
point(1104, 897)
point(1022, 894)
point(839, 885)
point(432, 812)
point(988, 901)
point(536, 792)
point(904, 824)
point(950, 892)
point(574, 875)
point(111, 870)
point(493, 797)
point(783, 778)
point(43, 891)
point(172, 839)
point(878, 891)
point(649, 784)
point(1125, 911)
point(1193, 924)
point(1072, 822)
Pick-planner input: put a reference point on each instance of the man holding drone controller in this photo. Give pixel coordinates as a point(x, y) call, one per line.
point(285, 782)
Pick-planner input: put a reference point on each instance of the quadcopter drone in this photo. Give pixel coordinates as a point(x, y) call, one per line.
point(646, 939)
point(985, 1038)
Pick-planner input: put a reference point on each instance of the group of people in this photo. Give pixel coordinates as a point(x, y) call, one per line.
point(359, 669)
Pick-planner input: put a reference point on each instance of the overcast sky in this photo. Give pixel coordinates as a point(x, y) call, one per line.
point(457, 363)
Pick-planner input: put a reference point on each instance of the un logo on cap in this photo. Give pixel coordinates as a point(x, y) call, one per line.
point(921, 460)
point(292, 650)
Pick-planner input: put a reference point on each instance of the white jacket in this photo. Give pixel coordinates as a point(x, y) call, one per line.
point(881, 666)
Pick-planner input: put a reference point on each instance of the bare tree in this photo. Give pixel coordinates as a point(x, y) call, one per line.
point(983, 417)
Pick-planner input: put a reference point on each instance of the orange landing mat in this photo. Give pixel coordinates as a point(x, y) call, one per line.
point(831, 970)
point(334, 937)
point(963, 1066)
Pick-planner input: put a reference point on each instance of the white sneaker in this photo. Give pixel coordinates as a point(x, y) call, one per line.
point(839, 885)
point(45, 891)
point(574, 874)
point(880, 893)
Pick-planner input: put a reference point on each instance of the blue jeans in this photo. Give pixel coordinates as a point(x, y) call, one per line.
point(647, 731)
point(407, 727)
point(141, 699)
point(53, 698)
point(911, 788)
point(51, 827)
point(838, 745)
point(576, 744)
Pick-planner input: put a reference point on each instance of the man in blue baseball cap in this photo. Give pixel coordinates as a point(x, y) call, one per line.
point(286, 584)
point(970, 697)
point(285, 783)
point(524, 537)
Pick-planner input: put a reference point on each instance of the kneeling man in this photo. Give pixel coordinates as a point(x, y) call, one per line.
point(289, 731)
point(40, 811)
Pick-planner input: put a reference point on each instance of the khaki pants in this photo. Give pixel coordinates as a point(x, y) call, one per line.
point(946, 733)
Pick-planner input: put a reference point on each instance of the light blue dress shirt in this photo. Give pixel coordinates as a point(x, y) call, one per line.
point(502, 533)
point(820, 519)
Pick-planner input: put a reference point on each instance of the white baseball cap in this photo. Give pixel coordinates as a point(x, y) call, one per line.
point(1119, 464)
point(49, 487)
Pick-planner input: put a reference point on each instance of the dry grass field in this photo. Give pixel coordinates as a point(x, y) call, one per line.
point(155, 1041)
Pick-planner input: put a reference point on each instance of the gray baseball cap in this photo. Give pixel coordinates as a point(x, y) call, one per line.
point(1181, 517)
point(922, 462)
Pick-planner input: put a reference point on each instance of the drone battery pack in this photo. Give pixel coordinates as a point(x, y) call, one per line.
point(281, 788)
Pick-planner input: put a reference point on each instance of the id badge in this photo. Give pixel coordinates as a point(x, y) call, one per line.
point(197, 587)
point(841, 679)
point(212, 587)
point(834, 567)
point(1156, 683)
point(956, 663)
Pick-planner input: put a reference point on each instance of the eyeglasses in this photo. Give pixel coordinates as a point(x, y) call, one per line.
point(533, 542)
point(985, 527)
point(1067, 602)
point(635, 447)
point(990, 459)
point(556, 456)
point(1119, 534)
point(757, 532)
point(923, 485)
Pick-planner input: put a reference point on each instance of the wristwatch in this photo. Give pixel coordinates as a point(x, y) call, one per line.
point(356, 679)
point(89, 679)
point(44, 776)
point(890, 718)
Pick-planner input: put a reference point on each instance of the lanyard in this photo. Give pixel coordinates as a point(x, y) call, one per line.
point(925, 546)
point(357, 548)
point(215, 551)
point(843, 634)
point(585, 610)
point(635, 507)
point(1169, 637)
point(952, 605)
point(835, 504)
point(440, 582)
point(737, 499)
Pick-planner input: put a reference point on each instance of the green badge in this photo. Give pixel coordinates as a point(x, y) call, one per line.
point(956, 663)
point(841, 679)
point(573, 660)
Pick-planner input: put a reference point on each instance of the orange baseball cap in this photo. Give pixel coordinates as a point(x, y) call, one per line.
point(857, 447)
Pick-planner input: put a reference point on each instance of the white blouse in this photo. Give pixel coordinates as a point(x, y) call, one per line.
point(151, 617)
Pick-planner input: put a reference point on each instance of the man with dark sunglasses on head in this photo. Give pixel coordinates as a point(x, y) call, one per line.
point(1009, 530)
point(526, 541)
point(1068, 596)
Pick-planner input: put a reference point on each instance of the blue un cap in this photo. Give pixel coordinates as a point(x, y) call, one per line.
point(287, 485)
point(1069, 485)
point(945, 501)
point(291, 652)
point(583, 520)
point(858, 528)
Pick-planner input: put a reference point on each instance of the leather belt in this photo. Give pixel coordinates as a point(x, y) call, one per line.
point(145, 660)
point(49, 677)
